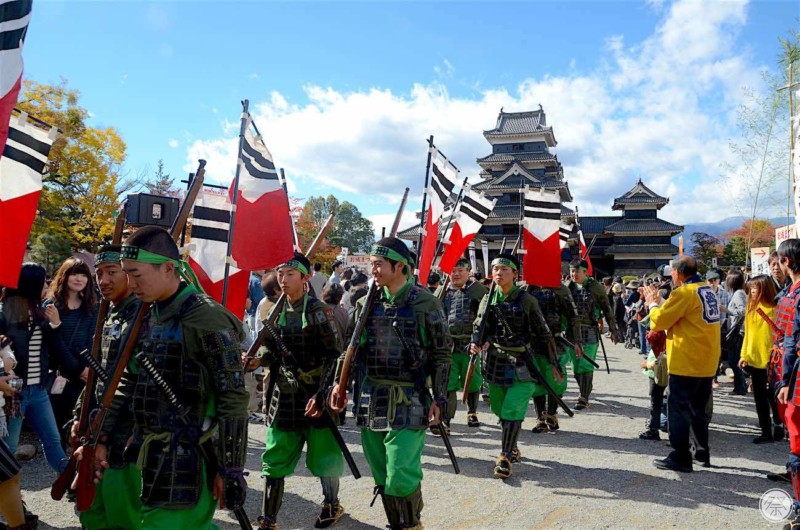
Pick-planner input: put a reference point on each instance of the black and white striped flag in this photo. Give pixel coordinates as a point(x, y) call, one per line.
point(564, 231)
point(21, 166)
point(541, 237)
point(473, 210)
point(211, 221)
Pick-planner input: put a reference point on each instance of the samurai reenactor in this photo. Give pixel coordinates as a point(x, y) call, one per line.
point(405, 354)
point(561, 315)
point(307, 328)
point(188, 461)
point(461, 302)
point(117, 503)
point(522, 332)
point(592, 303)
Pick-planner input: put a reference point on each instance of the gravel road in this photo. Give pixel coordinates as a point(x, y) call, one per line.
point(593, 473)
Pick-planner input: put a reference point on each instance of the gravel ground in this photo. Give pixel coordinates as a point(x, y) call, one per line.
point(593, 473)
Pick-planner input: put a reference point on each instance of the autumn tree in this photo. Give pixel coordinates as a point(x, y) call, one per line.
point(83, 179)
point(350, 228)
point(705, 248)
point(309, 223)
point(754, 233)
point(161, 183)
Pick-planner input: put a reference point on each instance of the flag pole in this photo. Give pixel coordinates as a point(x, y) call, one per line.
point(424, 200)
point(228, 259)
point(288, 204)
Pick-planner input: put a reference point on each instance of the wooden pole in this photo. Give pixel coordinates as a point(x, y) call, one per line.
point(242, 129)
point(424, 197)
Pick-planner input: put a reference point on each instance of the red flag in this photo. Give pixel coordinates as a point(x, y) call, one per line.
point(443, 180)
point(20, 176)
point(208, 248)
point(473, 211)
point(262, 231)
point(541, 238)
point(585, 252)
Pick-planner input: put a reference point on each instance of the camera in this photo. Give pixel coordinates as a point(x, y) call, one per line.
point(16, 384)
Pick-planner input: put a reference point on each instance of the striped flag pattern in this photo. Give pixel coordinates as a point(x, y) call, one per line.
point(262, 209)
point(442, 182)
point(14, 19)
point(473, 211)
point(208, 246)
point(23, 162)
point(541, 237)
point(564, 231)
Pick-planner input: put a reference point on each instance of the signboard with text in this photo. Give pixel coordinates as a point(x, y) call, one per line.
point(782, 233)
point(759, 260)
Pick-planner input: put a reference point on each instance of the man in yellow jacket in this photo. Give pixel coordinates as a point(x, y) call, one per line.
point(691, 318)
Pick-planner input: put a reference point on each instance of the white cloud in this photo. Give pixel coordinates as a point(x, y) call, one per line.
point(253, 75)
point(173, 143)
point(663, 108)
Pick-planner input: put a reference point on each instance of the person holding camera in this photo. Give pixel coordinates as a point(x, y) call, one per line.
point(35, 340)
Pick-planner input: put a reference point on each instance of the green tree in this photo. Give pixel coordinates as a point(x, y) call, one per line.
point(50, 251)
point(161, 183)
point(735, 251)
point(705, 247)
point(83, 179)
point(351, 229)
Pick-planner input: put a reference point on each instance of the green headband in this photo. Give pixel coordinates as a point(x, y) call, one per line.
point(389, 253)
point(107, 257)
point(504, 261)
point(578, 267)
point(145, 256)
point(293, 263)
point(463, 263)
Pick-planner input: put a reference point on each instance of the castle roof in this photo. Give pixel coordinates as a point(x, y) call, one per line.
point(638, 195)
point(511, 124)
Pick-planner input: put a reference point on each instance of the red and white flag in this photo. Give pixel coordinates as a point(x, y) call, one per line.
point(14, 18)
point(211, 221)
point(262, 229)
point(23, 162)
point(442, 182)
point(541, 238)
point(473, 210)
point(20, 178)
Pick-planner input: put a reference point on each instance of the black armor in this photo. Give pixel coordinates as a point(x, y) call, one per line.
point(195, 346)
point(114, 329)
point(396, 362)
point(530, 334)
point(314, 350)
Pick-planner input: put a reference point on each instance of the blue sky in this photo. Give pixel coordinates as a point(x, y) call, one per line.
point(345, 93)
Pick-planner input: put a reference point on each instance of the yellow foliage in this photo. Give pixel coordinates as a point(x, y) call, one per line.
point(80, 187)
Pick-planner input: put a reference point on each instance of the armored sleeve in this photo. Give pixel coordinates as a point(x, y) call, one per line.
point(330, 339)
point(540, 332)
point(601, 298)
point(570, 311)
point(220, 353)
point(476, 328)
point(439, 346)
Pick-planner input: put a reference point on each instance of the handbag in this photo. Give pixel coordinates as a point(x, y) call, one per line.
point(660, 370)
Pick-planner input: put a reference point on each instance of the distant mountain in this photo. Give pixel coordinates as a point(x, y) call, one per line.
point(718, 228)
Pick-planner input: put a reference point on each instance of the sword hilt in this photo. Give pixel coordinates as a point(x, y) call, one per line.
point(95, 365)
point(273, 333)
point(151, 370)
